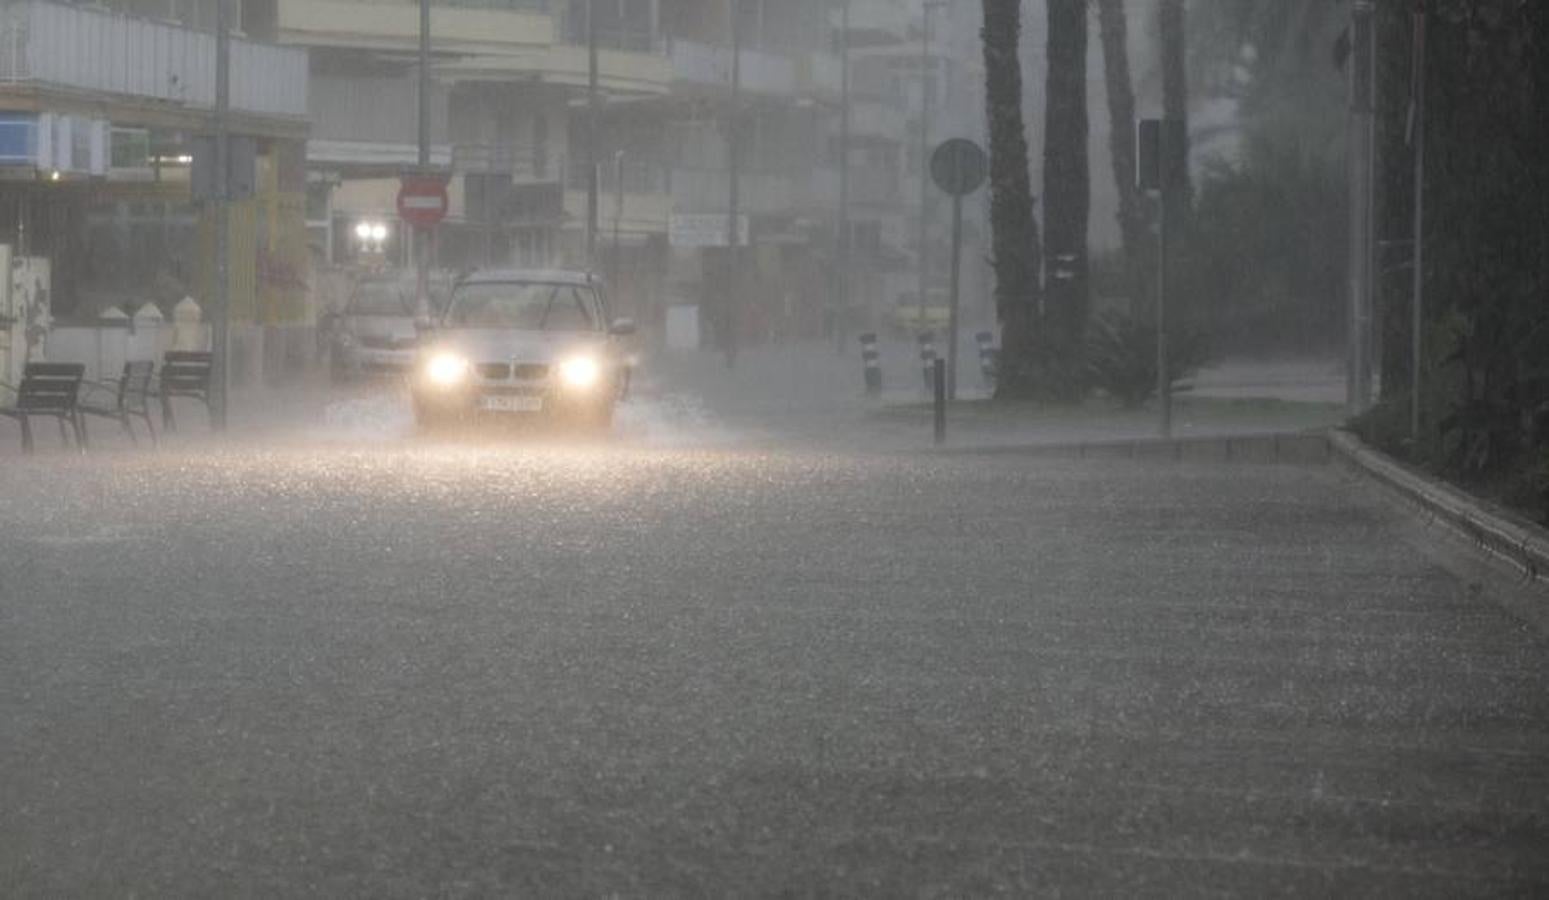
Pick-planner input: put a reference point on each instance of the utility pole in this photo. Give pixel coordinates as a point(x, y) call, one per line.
point(929, 7)
point(592, 159)
point(220, 380)
point(842, 229)
point(618, 219)
point(734, 188)
point(1164, 382)
point(1417, 302)
point(1161, 159)
point(956, 296)
point(1362, 144)
point(422, 236)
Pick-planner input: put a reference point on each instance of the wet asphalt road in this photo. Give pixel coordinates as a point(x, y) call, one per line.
point(416, 670)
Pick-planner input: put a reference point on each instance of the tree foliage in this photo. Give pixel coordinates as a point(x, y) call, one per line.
point(1486, 237)
point(1262, 254)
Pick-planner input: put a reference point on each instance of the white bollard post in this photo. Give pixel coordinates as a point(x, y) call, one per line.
point(188, 331)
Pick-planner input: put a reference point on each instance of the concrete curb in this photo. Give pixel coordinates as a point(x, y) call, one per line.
point(1507, 537)
point(1293, 448)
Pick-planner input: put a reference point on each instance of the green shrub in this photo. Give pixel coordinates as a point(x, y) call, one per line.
point(1121, 358)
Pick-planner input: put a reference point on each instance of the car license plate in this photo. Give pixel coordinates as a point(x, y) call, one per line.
point(509, 403)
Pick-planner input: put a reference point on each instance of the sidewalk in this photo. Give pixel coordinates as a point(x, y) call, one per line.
point(793, 396)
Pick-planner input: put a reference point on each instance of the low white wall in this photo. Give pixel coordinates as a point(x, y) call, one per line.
point(105, 349)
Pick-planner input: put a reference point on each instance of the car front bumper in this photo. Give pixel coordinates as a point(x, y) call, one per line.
point(481, 400)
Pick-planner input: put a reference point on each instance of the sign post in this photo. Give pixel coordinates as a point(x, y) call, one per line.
point(422, 204)
point(959, 167)
point(1161, 143)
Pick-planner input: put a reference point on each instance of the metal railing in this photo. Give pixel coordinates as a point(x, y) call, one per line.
point(760, 192)
point(710, 65)
point(521, 162)
point(91, 50)
point(639, 177)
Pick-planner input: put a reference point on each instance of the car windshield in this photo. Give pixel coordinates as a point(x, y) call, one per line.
point(382, 298)
point(528, 306)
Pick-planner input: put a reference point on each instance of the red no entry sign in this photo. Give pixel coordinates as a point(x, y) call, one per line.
point(422, 200)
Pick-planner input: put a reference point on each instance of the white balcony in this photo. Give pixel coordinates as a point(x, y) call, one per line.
point(708, 66)
point(872, 120)
point(882, 187)
point(374, 109)
point(54, 46)
point(881, 23)
point(760, 193)
point(823, 75)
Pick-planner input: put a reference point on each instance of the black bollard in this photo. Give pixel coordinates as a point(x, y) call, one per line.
point(928, 358)
point(987, 356)
point(939, 373)
point(872, 358)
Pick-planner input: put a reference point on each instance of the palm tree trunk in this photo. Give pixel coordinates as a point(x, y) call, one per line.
point(1018, 257)
point(1067, 191)
point(1114, 29)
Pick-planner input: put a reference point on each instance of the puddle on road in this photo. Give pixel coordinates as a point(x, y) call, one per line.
point(386, 417)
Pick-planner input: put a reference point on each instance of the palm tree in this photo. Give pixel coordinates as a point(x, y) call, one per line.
point(1018, 257)
point(1114, 30)
point(1068, 193)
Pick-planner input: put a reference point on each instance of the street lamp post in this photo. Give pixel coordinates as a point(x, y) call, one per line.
point(422, 236)
point(1362, 147)
point(1417, 302)
point(616, 272)
point(842, 260)
point(734, 186)
point(220, 339)
point(929, 7)
point(593, 99)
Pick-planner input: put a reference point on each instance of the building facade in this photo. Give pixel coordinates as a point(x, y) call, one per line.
point(916, 81)
point(102, 108)
point(513, 122)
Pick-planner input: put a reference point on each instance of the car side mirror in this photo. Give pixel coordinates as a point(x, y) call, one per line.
point(623, 328)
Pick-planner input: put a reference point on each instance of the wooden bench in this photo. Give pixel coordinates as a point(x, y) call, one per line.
point(184, 374)
point(50, 390)
point(131, 400)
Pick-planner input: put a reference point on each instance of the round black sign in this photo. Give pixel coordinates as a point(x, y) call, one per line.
point(959, 167)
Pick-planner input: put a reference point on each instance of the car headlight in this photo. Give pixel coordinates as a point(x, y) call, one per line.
point(446, 370)
point(580, 372)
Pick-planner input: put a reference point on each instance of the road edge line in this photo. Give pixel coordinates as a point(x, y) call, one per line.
point(1292, 448)
point(1501, 534)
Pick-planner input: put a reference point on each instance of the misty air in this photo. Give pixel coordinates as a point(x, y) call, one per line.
point(742, 448)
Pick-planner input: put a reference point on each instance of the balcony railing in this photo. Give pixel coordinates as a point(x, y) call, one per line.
point(706, 65)
point(49, 44)
point(876, 186)
point(373, 108)
point(760, 193)
point(879, 119)
point(639, 177)
point(524, 163)
point(823, 74)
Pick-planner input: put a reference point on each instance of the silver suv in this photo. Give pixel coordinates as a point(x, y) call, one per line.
point(376, 334)
point(523, 343)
